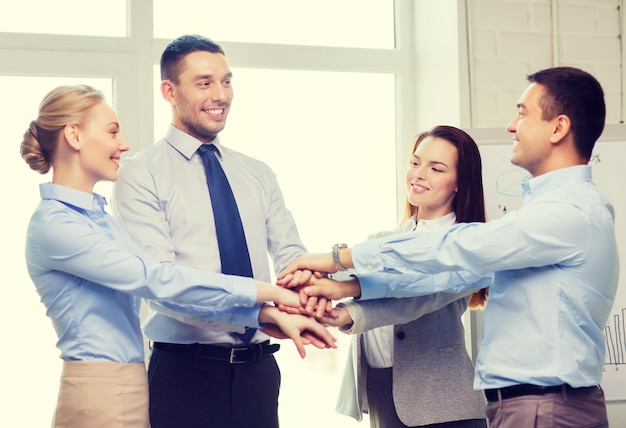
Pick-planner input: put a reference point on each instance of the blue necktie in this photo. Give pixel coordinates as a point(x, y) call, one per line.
point(231, 240)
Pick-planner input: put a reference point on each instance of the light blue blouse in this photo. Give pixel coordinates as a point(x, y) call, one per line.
point(91, 277)
point(556, 269)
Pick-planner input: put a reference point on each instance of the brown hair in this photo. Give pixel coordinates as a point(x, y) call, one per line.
point(469, 201)
point(173, 57)
point(62, 106)
point(578, 95)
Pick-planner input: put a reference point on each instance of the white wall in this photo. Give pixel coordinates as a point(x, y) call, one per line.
point(511, 38)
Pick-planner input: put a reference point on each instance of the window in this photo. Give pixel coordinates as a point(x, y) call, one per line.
point(345, 23)
point(71, 17)
point(329, 137)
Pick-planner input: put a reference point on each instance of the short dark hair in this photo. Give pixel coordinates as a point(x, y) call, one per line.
point(174, 53)
point(469, 202)
point(578, 95)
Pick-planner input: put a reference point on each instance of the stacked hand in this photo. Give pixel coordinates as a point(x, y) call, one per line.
point(302, 328)
point(308, 276)
point(304, 302)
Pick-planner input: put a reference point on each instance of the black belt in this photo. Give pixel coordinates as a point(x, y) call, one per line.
point(237, 355)
point(526, 389)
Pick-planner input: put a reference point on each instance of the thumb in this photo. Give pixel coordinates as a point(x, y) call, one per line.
point(312, 290)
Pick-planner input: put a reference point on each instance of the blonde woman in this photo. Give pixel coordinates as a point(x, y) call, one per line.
point(91, 276)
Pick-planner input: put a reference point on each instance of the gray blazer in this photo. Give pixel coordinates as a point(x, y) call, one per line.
point(432, 372)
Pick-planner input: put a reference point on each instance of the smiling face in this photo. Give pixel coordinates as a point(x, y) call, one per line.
point(202, 96)
point(432, 178)
point(532, 134)
point(100, 145)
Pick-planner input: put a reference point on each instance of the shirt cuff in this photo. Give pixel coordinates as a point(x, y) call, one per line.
point(373, 285)
point(244, 292)
point(366, 257)
point(356, 313)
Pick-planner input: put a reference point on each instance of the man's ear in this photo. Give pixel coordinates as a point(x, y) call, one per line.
point(562, 127)
point(167, 91)
point(70, 132)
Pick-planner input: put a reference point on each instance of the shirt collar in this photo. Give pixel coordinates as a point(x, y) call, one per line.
point(77, 198)
point(556, 179)
point(446, 220)
point(185, 144)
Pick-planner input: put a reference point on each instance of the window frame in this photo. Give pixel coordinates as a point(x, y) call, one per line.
point(129, 62)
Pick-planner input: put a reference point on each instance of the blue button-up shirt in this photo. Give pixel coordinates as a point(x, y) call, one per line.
point(556, 269)
point(91, 277)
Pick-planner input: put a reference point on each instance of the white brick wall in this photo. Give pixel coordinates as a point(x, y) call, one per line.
point(511, 38)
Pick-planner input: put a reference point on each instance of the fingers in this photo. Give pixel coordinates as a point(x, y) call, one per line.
point(330, 311)
point(291, 267)
point(311, 304)
point(314, 334)
point(313, 262)
point(294, 279)
point(314, 340)
point(316, 291)
point(323, 334)
point(285, 280)
point(304, 298)
point(304, 276)
point(322, 305)
point(297, 340)
point(292, 310)
point(332, 289)
point(317, 295)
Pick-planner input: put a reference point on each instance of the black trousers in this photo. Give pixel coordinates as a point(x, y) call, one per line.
point(189, 392)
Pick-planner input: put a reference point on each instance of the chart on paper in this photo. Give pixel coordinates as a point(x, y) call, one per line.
point(615, 342)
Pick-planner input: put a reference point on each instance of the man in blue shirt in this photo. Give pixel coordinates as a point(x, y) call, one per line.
point(553, 263)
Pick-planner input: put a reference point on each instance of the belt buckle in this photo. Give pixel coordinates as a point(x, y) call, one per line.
point(231, 358)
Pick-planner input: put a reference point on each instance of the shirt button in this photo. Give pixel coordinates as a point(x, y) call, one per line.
point(400, 335)
point(370, 267)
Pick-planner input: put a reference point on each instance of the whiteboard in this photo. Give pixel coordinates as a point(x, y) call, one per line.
point(501, 181)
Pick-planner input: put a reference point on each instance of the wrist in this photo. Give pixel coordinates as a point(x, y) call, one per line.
point(267, 314)
point(336, 255)
point(265, 292)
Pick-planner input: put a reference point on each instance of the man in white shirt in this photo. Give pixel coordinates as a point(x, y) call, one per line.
point(162, 199)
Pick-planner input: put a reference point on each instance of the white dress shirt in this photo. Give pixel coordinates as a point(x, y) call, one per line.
point(162, 199)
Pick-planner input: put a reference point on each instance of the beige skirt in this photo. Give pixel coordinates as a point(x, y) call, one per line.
point(98, 394)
